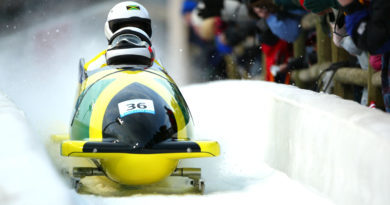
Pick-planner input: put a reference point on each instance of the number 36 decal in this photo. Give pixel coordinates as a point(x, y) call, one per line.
point(136, 106)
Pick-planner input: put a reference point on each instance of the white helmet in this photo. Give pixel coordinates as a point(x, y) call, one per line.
point(125, 14)
point(130, 46)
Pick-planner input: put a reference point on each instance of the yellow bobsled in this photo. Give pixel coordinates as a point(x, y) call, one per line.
point(135, 125)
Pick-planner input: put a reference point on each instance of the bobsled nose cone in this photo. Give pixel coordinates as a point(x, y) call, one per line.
point(130, 166)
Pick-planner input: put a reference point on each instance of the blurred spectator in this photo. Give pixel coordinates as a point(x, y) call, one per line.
point(359, 26)
point(376, 62)
point(288, 4)
point(367, 22)
point(201, 38)
point(276, 28)
point(222, 26)
point(283, 23)
point(320, 6)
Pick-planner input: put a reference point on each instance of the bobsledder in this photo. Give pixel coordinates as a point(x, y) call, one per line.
point(130, 118)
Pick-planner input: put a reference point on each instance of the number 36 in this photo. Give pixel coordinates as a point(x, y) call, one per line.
point(133, 106)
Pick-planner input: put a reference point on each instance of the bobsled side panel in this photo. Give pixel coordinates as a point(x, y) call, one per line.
point(168, 96)
point(182, 105)
point(83, 110)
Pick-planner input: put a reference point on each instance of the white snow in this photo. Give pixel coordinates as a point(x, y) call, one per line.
point(26, 175)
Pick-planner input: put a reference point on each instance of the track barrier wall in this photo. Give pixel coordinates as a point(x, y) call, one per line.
point(27, 175)
point(344, 154)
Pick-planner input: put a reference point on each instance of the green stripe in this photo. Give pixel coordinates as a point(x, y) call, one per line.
point(178, 97)
point(80, 126)
point(175, 92)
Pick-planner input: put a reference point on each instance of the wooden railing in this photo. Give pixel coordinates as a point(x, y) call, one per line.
point(344, 78)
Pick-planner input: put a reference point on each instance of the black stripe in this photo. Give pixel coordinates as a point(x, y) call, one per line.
point(141, 23)
point(169, 146)
point(129, 59)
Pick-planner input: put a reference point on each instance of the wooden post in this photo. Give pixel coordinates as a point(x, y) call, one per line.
point(341, 89)
point(299, 51)
point(324, 53)
point(339, 54)
point(299, 45)
point(231, 68)
point(323, 45)
point(374, 88)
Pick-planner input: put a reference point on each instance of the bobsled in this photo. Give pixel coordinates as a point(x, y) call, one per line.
point(134, 125)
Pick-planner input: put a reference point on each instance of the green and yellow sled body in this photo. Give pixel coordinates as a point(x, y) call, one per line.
point(135, 122)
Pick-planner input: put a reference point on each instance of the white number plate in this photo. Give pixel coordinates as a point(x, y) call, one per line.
point(136, 106)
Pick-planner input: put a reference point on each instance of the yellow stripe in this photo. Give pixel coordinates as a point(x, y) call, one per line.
point(211, 147)
point(167, 96)
point(95, 77)
point(93, 59)
point(158, 63)
point(59, 137)
point(97, 116)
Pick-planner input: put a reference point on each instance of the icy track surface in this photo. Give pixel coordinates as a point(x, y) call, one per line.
point(27, 176)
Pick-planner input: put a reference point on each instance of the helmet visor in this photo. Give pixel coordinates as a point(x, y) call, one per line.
point(128, 39)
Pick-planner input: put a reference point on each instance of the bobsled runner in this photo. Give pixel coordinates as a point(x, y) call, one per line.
point(135, 126)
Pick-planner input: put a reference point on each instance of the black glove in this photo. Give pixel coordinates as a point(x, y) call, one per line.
point(296, 64)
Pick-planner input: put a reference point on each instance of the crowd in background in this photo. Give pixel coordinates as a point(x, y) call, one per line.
point(254, 38)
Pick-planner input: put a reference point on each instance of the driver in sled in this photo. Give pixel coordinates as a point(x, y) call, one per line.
point(128, 31)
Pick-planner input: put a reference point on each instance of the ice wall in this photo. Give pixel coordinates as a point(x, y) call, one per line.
point(333, 145)
point(27, 176)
